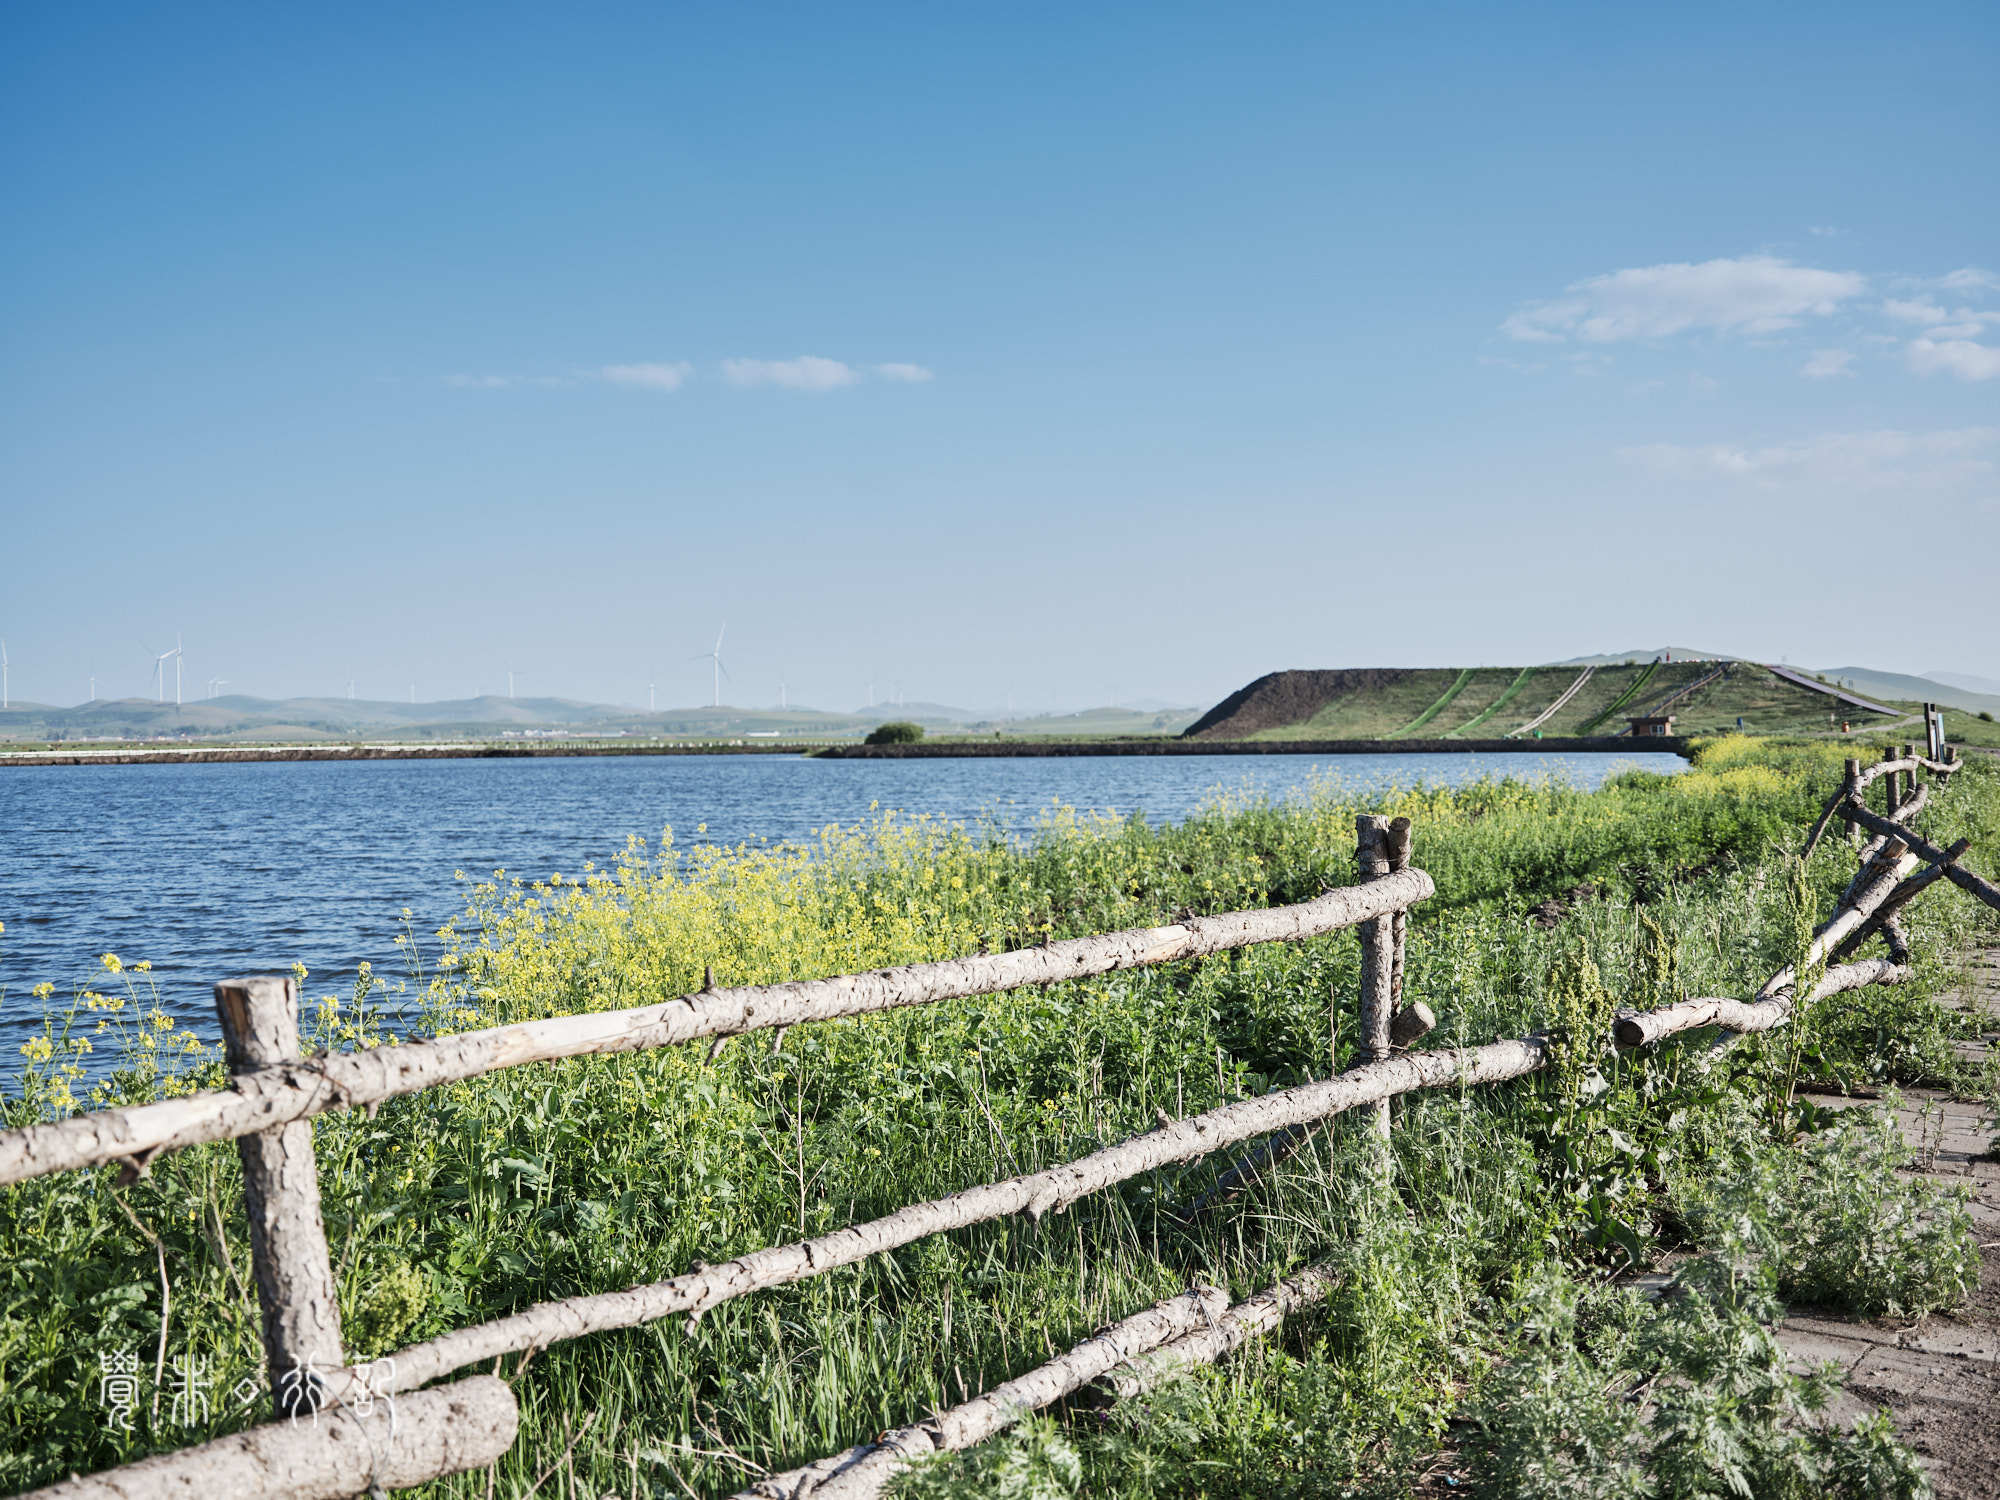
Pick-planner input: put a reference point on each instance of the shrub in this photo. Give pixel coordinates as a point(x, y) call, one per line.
point(1567, 1414)
point(895, 732)
point(1842, 1227)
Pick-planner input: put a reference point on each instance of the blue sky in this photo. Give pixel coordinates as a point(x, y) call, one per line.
point(1062, 353)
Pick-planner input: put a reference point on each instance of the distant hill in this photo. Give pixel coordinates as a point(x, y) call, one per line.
point(1914, 689)
point(1967, 681)
point(306, 720)
point(1619, 658)
point(1567, 698)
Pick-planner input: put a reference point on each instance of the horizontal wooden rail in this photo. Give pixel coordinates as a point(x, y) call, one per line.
point(1876, 770)
point(1055, 1188)
point(1034, 1194)
point(1750, 1015)
point(346, 1451)
point(1957, 874)
point(259, 1100)
point(865, 1470)
point(1251, 1318)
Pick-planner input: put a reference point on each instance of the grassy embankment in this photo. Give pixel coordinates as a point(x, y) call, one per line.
point(463, 1203)
point(1488, 702)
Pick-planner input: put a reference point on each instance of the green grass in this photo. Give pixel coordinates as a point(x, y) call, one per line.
point(1507, 695)
point(1457, 686)
point(1632, 690)
point(463, 1203)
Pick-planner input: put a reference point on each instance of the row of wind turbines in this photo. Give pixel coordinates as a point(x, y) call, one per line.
point(177, 655)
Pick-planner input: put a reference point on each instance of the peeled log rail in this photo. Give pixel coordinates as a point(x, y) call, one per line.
point(866, 1469)
point(1251, 1318)
point(333, 1454)
point(1750, 1015)
point(1034, 1194)
point(1963, 878)
point(1872, 885)
point(1870, 774)
point(1884, 917)
point(274, 1096)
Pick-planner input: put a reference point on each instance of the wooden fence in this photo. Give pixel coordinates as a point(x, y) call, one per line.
point(343, 1428)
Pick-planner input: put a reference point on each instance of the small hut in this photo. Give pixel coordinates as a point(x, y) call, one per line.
point(1651, 726)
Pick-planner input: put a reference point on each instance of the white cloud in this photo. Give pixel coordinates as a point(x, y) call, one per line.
point(1885, 458)
point(1750, 294)
point(1825, 364)
point(808, 372)
point(652, 377)
point(1914, 312)
point(480, 382)
point(1969, 279)
point(1960, 357)
point(912, 374)
point(1824, 231)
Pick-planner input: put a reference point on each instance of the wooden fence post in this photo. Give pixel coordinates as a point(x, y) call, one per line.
point(1853, 773)
point(1378, 959)
point(1397, 847)
point(294, 1273)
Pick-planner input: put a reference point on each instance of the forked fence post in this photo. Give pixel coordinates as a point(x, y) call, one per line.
point(1853, 793)
point(295, 1290)
point(1378, 958)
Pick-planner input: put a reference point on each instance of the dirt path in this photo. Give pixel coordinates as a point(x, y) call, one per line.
point(1939, 1377)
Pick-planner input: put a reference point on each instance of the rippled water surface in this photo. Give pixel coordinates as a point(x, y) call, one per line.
point(213, 870)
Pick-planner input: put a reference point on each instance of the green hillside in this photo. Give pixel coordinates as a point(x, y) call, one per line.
point(1494, 702)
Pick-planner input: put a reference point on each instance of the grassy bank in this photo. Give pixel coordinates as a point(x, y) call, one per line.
point(466, 1202)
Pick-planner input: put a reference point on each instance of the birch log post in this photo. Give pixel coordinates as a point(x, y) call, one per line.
point(1853, 795)
point(294, 1274)
point(348, 1080)
point(863, 1472)
point(1397, 846)
point(1378, 957)
point(329, 1456)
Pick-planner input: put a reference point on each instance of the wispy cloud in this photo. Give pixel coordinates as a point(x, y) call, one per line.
point(1960, 357)
point(809, 372)
point(1824, 231)
point(1969, 279)
point(1752, 294)
point(1826, 364)
point(1914, 311)
point(1886, 458)
point(653, 377)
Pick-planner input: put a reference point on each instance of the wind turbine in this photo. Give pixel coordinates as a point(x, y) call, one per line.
point(179, 657)
point(715, 657)
point(160, 675)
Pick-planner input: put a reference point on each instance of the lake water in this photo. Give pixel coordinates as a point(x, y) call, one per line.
point(216, 870)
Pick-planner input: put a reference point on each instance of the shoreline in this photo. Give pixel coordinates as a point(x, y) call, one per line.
point(935, 750)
